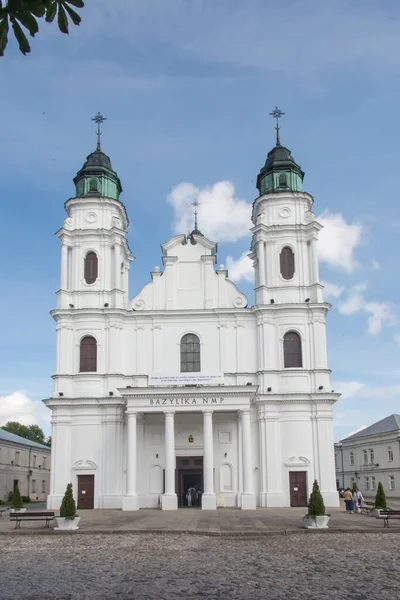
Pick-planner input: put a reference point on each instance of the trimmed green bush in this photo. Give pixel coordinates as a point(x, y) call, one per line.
point(354, 488)
point(316, 506)
point(68, 506)
point(380, 498)
point(17, 503)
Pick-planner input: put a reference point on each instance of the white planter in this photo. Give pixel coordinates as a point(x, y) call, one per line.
point(12, 510)
point(320, 522)
point(67, 524)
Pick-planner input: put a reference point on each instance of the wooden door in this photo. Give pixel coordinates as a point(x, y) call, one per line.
point(85, 491)
point(298, 488)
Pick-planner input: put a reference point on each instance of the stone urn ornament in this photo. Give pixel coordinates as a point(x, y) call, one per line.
point(68, 519)
point(316, 518)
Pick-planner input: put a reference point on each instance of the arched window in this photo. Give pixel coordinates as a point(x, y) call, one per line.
point(390, 454)
point(351, 458)
point(190, 353)
point(91, 267)
point(88, 355)
point(292, 350)
point(287, 263)
point(93, 185)
point(282, 180)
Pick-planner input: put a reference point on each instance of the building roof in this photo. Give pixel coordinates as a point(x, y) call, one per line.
point(390, 423)
point(17, 439)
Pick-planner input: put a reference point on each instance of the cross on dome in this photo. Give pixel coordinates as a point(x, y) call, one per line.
point(277, 114)
point(99, 119)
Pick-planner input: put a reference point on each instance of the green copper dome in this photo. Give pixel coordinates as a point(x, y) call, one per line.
point(280, 172)
point(97, 178)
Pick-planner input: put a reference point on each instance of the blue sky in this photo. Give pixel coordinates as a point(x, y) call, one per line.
point(187, 88)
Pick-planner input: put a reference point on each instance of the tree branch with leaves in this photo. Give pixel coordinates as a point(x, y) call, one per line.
point(24, 15)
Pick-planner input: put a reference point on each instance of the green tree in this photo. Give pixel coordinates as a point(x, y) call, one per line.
point(16, 502)
point(68, 506)
point(354, 488)
point(316, 506)
point(26, 13)
point(30, 432)
point(380, 498)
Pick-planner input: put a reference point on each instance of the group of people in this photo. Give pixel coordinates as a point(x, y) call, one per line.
point(353, 500)
point(192, 496)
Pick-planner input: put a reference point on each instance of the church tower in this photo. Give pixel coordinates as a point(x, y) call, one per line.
point(95, 253)
point(293, 375)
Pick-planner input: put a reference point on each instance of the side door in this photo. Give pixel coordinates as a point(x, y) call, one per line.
point(85, 491)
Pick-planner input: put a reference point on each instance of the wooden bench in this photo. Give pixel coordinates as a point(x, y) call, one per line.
point(386, 515)
point(36, 515)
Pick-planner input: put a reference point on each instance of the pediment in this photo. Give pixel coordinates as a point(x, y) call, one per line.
point(297, 461)
point(87, 465)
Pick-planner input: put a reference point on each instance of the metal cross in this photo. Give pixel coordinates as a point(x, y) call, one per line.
point(99, 119)
point(277, 114)
point(195, 203)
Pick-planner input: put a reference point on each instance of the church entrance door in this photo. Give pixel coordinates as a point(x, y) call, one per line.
point(189, 474)
point(85, 491)
point(298, 488)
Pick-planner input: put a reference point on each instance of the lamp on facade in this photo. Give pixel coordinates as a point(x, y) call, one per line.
point(225, 455)
point(190, 439)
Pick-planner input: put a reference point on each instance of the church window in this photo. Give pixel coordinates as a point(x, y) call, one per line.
point(390, 454)
point(190, 354)
point(351, 458)
point(292, 350)
point(88, 355)
point(91, 267)
point(287, 263)
point(282, 180)
point(93, 185)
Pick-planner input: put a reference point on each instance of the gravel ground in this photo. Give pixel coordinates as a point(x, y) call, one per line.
point(166, 567)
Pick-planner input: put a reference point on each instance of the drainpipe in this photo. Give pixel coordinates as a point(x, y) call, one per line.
point(341, 452)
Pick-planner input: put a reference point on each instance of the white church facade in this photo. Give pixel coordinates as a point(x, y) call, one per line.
point(185, 385)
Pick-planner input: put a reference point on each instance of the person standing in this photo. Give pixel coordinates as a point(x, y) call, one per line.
point(348, 500)
point(355, 501)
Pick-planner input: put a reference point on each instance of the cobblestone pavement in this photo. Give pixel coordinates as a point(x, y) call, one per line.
point(166, 567)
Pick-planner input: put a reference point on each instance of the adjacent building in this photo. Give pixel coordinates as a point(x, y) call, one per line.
point(370, 456)
point(23, 463)
point(185, 385)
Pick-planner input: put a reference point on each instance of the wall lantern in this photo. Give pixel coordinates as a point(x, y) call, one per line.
point(190, 439)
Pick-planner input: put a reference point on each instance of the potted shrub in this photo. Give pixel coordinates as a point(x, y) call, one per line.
point(68, 521)
point(17, 504)
point(380, 498)
point(316, 517)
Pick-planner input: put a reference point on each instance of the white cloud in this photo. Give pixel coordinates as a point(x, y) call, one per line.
point(239, 269)
point(18, 407)
point(222, 216)
point(375, 265)
point(332, 290)
point(349, 389)
point(338, 240)
point(397, 338)
point(380, 314)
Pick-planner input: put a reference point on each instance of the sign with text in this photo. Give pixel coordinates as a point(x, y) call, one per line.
point(186, 379)
point(184, 401)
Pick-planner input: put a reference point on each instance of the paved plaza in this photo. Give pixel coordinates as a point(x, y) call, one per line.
point(224, 521)
point(170, 567)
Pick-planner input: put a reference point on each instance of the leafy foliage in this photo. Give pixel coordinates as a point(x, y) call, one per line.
point(68, 506)
point(17, 500)
point(380, 498)
point(25, 14)
point(30, 432)
point(354, 488)
point(316, 506)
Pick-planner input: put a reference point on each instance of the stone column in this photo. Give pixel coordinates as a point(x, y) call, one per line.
point(170, 499)
point(248, 495)
point(261, 263)
point(117, 267)
point(208, 499)
point(130, 500)
point(64, 267)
